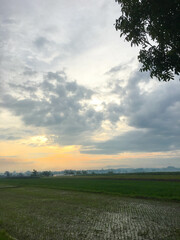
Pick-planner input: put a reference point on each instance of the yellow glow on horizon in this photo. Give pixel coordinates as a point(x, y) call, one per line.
point(20, 155)
point(70, 148)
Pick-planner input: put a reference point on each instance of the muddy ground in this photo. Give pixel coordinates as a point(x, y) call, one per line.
point(47, 214)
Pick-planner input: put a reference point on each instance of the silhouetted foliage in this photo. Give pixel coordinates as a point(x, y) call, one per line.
point(34, 173)
point(69, 172)
point(7, 174)
point(155, 25)
point(20, 175)
point(47, 173)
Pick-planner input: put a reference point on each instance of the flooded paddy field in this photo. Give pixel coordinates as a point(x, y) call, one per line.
point(35, 213)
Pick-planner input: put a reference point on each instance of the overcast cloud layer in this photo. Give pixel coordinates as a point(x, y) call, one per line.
point(66, 73)
point(66, 111)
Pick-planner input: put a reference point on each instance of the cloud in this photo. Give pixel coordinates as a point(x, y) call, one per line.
point(137, 114)
point(8, 21)
point(154, 114)
point(29, 71)
point(137, 141)
point(8, 161)
point(116, 69)
point(63, 108)
point(57, 105)
point(41, 42)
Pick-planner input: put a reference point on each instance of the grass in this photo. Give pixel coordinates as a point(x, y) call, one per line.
point(33, 213)
point(142, 186)
point(90, 207)
point(4, 235)
point(140, 176)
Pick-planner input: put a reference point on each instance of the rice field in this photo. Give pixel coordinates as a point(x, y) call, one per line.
point(35, 213)
point(142, 186)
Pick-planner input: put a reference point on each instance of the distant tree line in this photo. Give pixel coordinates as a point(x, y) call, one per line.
point(75, 172)
point(34, 173)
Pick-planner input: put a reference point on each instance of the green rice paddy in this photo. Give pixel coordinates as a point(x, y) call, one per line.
point(90, 207)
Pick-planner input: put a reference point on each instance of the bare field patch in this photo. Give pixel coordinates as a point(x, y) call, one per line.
point(47, 214)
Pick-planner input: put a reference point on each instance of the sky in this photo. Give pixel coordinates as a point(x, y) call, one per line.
point(72, 95)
